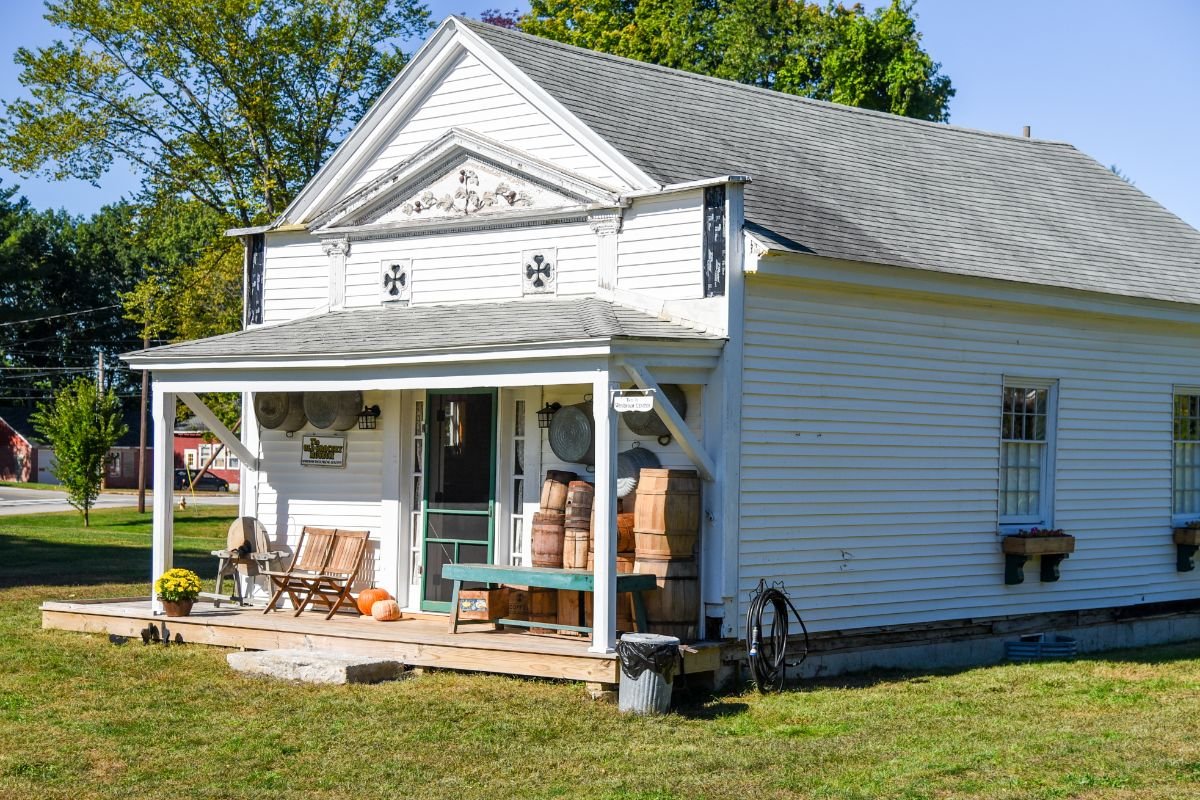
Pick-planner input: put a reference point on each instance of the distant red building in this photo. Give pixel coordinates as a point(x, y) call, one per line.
point(192, 452)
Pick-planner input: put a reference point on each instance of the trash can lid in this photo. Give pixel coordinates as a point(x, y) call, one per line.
point(651, 639)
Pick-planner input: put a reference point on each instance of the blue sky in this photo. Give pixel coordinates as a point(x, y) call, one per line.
point(1119, 80)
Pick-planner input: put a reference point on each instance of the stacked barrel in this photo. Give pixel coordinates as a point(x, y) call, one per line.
point(625, 561)
point(666, 533)
point(548, 538)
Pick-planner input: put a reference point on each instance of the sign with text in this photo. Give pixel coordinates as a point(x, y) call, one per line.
point(322, 450)
point(632, 400)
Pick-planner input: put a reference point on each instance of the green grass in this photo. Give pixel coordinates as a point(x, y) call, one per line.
point(81, 717)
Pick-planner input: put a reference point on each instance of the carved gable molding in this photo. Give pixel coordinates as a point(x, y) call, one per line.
point(474, 189)
point(464, 176)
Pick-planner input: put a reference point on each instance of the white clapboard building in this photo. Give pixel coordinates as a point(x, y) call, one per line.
point(899, 342)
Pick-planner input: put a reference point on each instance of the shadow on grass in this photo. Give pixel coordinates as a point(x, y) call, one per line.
point(32, 561)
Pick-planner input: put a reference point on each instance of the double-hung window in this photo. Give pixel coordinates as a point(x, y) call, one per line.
point(1185, 460)
point(1027, 453)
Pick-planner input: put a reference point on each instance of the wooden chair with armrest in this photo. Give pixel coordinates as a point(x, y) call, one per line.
point(332, 586)
point(309, 560)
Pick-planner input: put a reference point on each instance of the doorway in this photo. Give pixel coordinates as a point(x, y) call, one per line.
point(458, 523)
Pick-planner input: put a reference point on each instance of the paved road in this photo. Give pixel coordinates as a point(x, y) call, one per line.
point(40, 501)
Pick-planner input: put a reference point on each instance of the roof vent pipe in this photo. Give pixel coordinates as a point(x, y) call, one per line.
point(1025, 131)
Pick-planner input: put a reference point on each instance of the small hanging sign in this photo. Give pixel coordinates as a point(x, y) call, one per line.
point(322, 450)
point(624, 400)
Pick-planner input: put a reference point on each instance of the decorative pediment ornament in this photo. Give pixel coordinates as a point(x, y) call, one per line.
point(474, 189)
point(464, 176)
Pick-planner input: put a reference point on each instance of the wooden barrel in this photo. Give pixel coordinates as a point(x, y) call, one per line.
point(666, 520)
point(625, 563)
point(579, 505)
point(547, 539)
point(554, 490)
point(575, 547)
point(625, 621)
point(625, 538)
point(543, 607)
point(674, 609)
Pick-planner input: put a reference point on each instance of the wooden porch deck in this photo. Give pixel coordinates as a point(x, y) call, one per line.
point(416, 641)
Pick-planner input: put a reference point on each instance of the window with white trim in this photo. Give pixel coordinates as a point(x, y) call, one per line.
point(1026, 453)
point(1185, 458)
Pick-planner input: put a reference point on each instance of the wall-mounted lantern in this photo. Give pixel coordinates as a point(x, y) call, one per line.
point(367, 418)
point(547, 414)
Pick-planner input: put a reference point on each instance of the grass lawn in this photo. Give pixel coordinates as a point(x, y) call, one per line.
point(81, 717)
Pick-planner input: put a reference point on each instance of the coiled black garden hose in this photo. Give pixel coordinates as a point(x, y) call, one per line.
point(767, 654)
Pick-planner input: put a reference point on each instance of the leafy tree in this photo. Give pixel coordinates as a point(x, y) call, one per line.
point(234, 103)
point(60, 283)
point(82, 425)
point(839, 53)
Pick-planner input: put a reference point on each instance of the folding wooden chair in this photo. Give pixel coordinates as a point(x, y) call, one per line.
point(309, 560)
point(332, 586)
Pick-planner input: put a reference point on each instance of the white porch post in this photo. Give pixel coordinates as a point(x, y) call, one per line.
point(605, 507)
point(162, 532)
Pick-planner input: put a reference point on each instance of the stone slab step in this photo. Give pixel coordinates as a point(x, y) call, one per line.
point(315, 666)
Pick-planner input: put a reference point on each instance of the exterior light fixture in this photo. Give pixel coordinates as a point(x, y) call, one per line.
point(547, 414)
point(367, 418)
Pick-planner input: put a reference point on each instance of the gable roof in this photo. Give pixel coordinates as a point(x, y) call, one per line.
point(858, 185)
point(376, 332)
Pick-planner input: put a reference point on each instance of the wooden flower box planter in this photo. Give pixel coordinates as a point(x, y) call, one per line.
point(1187, 541)
point(1018, 549)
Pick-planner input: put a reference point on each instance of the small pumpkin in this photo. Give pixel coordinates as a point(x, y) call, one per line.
point(386, 610)
point(369, 597)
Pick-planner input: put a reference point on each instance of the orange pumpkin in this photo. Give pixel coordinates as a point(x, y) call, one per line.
point(369, 597)
point(386, 610)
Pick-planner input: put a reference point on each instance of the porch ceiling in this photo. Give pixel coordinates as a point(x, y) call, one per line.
point(381, 332)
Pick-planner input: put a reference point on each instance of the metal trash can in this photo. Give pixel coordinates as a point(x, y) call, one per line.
point(648, 665)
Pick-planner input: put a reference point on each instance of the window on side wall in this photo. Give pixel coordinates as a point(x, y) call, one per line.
point(1027, 425)
point(1185, 458)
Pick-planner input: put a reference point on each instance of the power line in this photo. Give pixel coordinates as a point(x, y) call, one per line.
point(59, 316)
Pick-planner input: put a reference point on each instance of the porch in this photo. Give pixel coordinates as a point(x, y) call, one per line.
point(415, 640)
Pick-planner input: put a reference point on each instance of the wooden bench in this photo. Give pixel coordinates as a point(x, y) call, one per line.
point(571, 580)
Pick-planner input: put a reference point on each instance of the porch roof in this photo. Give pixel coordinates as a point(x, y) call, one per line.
point(367, 332)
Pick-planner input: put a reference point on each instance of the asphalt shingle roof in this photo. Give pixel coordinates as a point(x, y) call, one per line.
point(859, 185)
point(391, 331)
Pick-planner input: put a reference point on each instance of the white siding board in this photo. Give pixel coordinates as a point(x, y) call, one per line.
point(291, 496)
point(472, 96)
point(871, 426)
point(295, 276)
point(473, 266)
point(660, 247)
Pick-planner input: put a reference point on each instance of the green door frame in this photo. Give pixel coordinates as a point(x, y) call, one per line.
point(434, 605)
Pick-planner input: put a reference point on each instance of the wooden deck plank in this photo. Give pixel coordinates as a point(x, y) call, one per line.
point(421, 642)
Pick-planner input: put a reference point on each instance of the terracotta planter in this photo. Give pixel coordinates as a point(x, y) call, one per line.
point(177, 608)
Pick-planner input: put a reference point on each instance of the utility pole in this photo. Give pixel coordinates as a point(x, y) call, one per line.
point(142, 435)
point(100, 372)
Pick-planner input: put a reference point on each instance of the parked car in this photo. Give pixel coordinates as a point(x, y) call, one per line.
point(207, 481)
